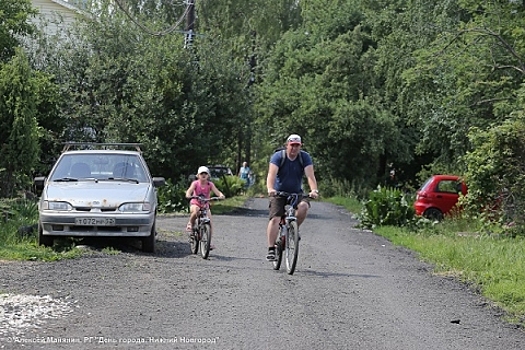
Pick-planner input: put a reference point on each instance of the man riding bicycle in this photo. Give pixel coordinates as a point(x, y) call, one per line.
point(285, 173)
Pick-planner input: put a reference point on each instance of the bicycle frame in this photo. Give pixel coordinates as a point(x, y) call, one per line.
point(288, 239)
point(201, 235)
point(202, 218)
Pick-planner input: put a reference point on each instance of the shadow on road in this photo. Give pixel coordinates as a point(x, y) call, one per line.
point(326, 274)
point(246, 212)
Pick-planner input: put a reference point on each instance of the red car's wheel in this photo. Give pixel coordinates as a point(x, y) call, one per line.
point(433, 214)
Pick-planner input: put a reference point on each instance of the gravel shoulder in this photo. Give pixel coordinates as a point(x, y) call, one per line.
point(351, 289)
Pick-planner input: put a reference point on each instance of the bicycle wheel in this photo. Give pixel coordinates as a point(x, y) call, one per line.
point(194, 242)
point(278, 253)
point(205, 240)
point(292, 247)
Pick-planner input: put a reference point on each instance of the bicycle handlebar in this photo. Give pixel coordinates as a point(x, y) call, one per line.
point(288, 194)
point(203, 199)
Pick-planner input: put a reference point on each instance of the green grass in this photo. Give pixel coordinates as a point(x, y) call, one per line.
point(493, 265)
point(29, 251)
point(227, 205)
point(351, 204)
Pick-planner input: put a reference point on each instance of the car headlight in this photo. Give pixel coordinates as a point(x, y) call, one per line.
point(134, 207)
point(58, 206)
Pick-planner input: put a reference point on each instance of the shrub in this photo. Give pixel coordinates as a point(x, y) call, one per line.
point(172, 196)
point(230, 185)
point(495, 171)
point(386, 206)
point(19, 216)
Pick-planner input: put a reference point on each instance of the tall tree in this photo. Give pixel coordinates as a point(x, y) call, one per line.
point(130, 86)
point(467, 76)
point(14, 24)
point(317, 84)
point(18, 125)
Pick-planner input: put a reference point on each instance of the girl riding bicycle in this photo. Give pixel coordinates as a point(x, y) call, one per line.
point(200, 187)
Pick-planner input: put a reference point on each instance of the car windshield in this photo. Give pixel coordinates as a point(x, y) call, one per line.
point(100, 166)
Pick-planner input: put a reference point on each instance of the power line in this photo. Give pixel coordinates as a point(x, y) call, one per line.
point(125, 8)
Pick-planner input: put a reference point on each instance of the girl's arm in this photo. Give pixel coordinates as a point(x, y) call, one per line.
point(216, 191)
point(190, 190)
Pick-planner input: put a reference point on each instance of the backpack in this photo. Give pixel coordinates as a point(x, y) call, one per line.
point(283, 156)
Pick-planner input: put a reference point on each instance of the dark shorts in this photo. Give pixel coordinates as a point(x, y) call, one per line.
point(277, 204)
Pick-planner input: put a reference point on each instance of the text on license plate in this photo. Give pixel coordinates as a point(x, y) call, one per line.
point(94, 221)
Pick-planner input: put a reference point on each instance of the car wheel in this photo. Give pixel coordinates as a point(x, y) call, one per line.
point(433, 214)
point(148, 243)
point(46, 241)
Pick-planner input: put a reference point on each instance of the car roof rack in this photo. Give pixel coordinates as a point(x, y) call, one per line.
point(101, 145)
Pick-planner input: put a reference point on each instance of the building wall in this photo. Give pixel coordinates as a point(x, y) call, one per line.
point(55, 15)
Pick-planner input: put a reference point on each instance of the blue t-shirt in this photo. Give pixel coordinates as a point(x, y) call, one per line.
point(245, 170)
point(290, 175)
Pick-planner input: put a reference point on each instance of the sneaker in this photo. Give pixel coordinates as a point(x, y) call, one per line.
point(271, 255)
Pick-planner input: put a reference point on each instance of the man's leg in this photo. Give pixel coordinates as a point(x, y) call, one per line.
point(302, 210)
point(272, 231)
point(275, 212)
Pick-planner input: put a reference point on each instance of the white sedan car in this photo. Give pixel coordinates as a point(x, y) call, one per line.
point(104, 191)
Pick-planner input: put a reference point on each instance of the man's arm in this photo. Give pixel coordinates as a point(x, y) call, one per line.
point(312, 182)
point(270, 179)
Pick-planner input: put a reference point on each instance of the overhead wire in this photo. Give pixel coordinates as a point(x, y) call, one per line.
point(125, 8)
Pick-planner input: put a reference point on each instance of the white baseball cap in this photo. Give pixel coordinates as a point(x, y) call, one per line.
point(203, 169)
point(294, 139)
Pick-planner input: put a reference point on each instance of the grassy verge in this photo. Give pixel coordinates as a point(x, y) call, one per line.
point(228, 205)
point(351, 204)
point(494, 265)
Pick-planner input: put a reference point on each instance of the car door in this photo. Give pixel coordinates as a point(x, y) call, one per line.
point(446, 195)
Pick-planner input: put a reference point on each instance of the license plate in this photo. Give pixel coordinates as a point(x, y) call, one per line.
point(95, 222)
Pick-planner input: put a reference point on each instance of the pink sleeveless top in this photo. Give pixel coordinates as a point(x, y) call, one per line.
point(201, 191)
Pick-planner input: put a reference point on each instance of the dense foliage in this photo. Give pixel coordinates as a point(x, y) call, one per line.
point(410, 85)
point(387, 207)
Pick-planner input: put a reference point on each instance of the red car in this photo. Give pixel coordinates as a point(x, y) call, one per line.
point(439, 195)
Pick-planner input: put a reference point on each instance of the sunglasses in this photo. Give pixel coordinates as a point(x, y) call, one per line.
point(203, 174)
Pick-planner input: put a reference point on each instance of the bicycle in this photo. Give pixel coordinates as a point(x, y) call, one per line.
point(200, 236)
point(288, 238)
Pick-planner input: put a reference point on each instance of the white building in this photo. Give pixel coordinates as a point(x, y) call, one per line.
point(54, 15)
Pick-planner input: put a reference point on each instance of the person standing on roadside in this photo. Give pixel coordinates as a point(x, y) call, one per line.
point(285, 173)
point(244, 173)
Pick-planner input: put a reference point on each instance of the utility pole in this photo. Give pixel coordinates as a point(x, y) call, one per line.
point(189, 32)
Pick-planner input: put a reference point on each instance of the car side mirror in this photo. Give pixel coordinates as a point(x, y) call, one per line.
point(159, 181)
point(38, 183)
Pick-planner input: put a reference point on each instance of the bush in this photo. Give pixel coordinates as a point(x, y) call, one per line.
point(19, 217)
point(386, 206)
point(230, 185)
point(172, 196)
point(495, 172)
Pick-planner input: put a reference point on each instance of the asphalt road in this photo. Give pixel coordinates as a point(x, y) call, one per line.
point(351, 290)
